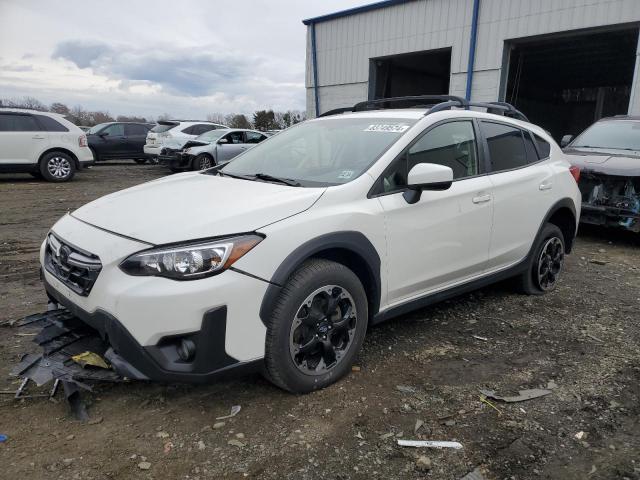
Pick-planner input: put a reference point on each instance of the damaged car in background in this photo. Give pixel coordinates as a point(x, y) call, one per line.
point(209, 149)
point(608, 155)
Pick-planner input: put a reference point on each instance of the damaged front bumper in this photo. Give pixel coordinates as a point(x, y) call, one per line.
point(611, 201)
point(176, 159)
point(63, 336)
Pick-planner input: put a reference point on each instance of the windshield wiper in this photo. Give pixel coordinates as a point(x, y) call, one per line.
point(270, 178)
point(218, 171)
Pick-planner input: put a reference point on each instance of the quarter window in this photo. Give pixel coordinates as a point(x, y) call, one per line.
point(544, 148)
point(452, 144)
point(506, 146)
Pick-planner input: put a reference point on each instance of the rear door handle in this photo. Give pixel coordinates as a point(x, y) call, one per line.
point(38, 137)
point(482, 198)
point(546, 185)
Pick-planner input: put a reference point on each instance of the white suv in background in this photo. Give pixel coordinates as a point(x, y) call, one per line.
point(281, 259)
point(43, 144)
point(176, 133)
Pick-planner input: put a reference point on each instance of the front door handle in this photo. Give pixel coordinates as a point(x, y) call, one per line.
point(38, 137)
point(482, 199)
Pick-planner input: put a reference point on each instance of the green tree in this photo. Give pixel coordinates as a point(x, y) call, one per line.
point(264, 120)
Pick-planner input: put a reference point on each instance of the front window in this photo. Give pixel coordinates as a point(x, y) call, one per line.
point(322, 152)
point(95, 129)
point(612, 135)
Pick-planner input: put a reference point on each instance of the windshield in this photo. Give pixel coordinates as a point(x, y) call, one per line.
point(211, 136)
point(321, 152)
point(97, 128)
point(611, 134)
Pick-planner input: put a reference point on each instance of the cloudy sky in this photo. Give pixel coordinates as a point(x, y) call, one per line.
point(182, 57)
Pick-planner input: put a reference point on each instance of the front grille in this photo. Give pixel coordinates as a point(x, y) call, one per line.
point(77, 269)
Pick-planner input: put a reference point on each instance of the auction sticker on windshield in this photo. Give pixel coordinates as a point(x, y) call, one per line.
point(387, 128)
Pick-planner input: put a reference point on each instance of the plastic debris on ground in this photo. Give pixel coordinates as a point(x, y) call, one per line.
point(234, 411)
point(430, 444)
point(521, 397)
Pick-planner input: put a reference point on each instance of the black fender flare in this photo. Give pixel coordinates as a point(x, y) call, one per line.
point(352, 241)
point(562, 203)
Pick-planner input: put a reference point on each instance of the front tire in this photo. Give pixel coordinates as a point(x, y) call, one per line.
point(202, 162)
point(316, 327)
point(57, 167)
point(546, 264)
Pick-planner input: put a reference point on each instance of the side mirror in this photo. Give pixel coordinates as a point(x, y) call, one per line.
point(427, 176)
point(103, 134)
point(566, 140)
point(222, 141)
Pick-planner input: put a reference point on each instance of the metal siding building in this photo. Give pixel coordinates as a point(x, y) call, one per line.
point(356, 50)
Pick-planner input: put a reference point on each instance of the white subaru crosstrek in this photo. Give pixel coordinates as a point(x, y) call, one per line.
point(284, 257)
point(44, 144)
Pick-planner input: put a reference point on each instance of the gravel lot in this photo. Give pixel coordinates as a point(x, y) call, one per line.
point(581, 341)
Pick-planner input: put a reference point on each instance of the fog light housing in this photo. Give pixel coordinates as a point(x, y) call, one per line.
point(186, 349)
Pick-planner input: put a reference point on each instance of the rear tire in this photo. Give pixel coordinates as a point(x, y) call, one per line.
point(316, 327)
point(57, 167)
point(202, 162)
point(140, 161)
point(546, 263)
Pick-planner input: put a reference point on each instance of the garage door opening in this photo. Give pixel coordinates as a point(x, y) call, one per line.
point(565, 84)
point(423, 73)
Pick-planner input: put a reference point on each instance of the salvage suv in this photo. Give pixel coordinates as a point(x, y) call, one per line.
point(281, 259)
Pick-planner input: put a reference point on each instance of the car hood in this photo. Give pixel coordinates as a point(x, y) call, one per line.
point(608, 164)
point(192, 206)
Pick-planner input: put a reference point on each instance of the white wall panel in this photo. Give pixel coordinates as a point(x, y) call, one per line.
point(345, 45)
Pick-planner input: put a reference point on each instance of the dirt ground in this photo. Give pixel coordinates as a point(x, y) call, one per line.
point(582, 342)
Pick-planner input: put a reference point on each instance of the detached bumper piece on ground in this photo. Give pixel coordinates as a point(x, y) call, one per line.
point(63, 337)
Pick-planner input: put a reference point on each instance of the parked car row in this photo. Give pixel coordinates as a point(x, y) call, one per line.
point(48, 146)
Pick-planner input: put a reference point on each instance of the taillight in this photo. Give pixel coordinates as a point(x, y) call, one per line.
point(575, 172)
point(82, 140)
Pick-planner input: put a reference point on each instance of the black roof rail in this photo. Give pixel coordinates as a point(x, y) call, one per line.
point(436, 103)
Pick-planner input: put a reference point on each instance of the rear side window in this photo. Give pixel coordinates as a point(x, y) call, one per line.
point(48, 124)
point(162, 128)
point(506, 146)
point(544, 148)
point(132, 129)
point(191, 130)
point(18, 123)
point(204, 128)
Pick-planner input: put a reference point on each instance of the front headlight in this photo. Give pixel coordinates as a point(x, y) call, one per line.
point(190, 261)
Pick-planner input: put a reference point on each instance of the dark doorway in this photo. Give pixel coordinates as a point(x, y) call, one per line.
point(566, 83)
point(422, 73)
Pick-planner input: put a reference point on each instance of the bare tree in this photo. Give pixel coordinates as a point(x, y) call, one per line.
point(164, 116)
point(60, 108)
point(217, 117)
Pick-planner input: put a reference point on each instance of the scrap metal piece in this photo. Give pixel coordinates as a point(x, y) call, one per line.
point(78, 408)
point(523, 395)
point(430, 444)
